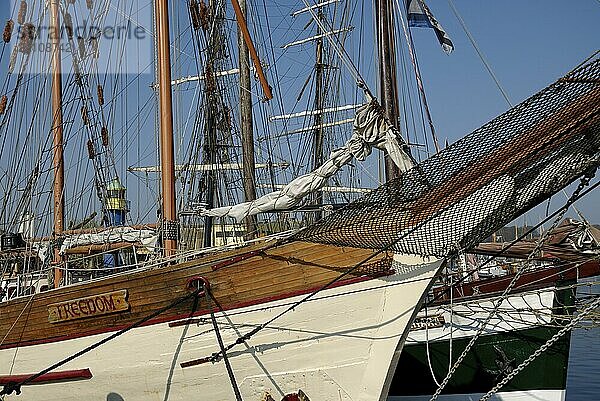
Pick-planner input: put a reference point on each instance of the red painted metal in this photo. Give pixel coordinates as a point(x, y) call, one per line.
point(587, 269)
point(528, 281)
point(52, 377)
point(194, 283)
point(185, 322)
point(194, 362)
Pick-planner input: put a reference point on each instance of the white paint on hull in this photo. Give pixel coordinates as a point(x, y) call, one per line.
point(517, 312)
point(338, 346)
point(532, 395)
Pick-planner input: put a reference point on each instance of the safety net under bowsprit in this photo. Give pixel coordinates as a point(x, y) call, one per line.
point(458, 197)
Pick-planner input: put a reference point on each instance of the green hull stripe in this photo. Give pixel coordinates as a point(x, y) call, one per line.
point(492, 357)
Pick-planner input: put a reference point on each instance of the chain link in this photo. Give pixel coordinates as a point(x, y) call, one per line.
point(584, 181)
point(542, 349)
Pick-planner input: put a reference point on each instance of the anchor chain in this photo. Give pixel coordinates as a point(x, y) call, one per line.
point(584, 182)
point(542, 349)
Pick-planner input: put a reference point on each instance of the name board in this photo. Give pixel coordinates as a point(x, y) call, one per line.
point(96, 305)
point(431, 322)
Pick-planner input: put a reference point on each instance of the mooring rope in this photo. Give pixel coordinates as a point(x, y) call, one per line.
point(542, 349)
point(584, 182)
point(16, 387)
point(234, 385)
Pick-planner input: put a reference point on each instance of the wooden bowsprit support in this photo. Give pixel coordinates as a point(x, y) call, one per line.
point(52, 377)
point(255, 60)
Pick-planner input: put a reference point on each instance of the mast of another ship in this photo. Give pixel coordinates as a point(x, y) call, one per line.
point(247, 51)
point(170, 227)
point(249, 166)
point(387, 71)
point(212, 113)
point(57, 134)
point(319, 106)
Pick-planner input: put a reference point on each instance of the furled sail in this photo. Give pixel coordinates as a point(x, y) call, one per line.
point(148, 238)
point(370, 130)
point(482, 182)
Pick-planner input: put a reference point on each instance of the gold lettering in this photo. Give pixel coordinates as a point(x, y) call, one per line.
point(67, 311)
point(96, 305)
point(91, 306)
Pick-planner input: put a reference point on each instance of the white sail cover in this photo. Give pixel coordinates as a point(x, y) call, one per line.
point(371, 129)
point(147, 238)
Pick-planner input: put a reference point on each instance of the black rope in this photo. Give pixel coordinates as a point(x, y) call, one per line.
point(16, 387)
point(234, 386)
point(216, 356)
point(9, 388)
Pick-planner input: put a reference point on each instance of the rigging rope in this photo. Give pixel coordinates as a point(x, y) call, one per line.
point(16, 387)
point(514, 242)
point(583, 183)
point(413, 59)
point(427, 351)
point(479, 52)
point(215, 357)
point(234, 385)
point(542, 349)
point(340, 50)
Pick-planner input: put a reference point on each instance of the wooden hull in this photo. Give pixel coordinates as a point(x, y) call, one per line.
point(338, 345)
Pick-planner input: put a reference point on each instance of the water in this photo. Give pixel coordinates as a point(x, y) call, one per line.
point(584, 366)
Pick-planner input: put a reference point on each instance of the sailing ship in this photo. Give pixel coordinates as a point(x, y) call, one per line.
point(317, 313)
point(540, 305)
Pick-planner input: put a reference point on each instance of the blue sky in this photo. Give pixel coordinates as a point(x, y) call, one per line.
point(529, 44)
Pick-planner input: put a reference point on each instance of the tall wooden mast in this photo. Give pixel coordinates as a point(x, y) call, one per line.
point(319, 105)
point(243, 29)
point(387, 71)
point(57, 134)
point(213, 111)
point(249, 167)
point(167, 153)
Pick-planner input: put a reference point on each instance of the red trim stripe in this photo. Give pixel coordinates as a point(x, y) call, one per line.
point(52, 377)
point(171, 318)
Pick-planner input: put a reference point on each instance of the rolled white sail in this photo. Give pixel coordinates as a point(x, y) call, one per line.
point(371, 130)
point(147, 238)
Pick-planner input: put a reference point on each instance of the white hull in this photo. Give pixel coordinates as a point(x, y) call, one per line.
point(517, 312)
point(533, 395)
point(337, 346)
point(462, 321)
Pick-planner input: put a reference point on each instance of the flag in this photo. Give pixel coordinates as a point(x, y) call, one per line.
point(419, 15)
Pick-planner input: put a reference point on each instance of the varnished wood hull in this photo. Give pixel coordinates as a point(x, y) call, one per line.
point(339, 345)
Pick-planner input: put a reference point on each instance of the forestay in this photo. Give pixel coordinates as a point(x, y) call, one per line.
point(485, 180)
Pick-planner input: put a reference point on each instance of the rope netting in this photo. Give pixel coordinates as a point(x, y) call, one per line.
point(461, 195)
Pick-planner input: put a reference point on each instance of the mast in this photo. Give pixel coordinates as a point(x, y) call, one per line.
point(319, 105)
point(210, 150)
point(387, 72)
point(57, 133)
point(167, 153)
point(249, 167)
point(243, 27)
point(213, 109)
